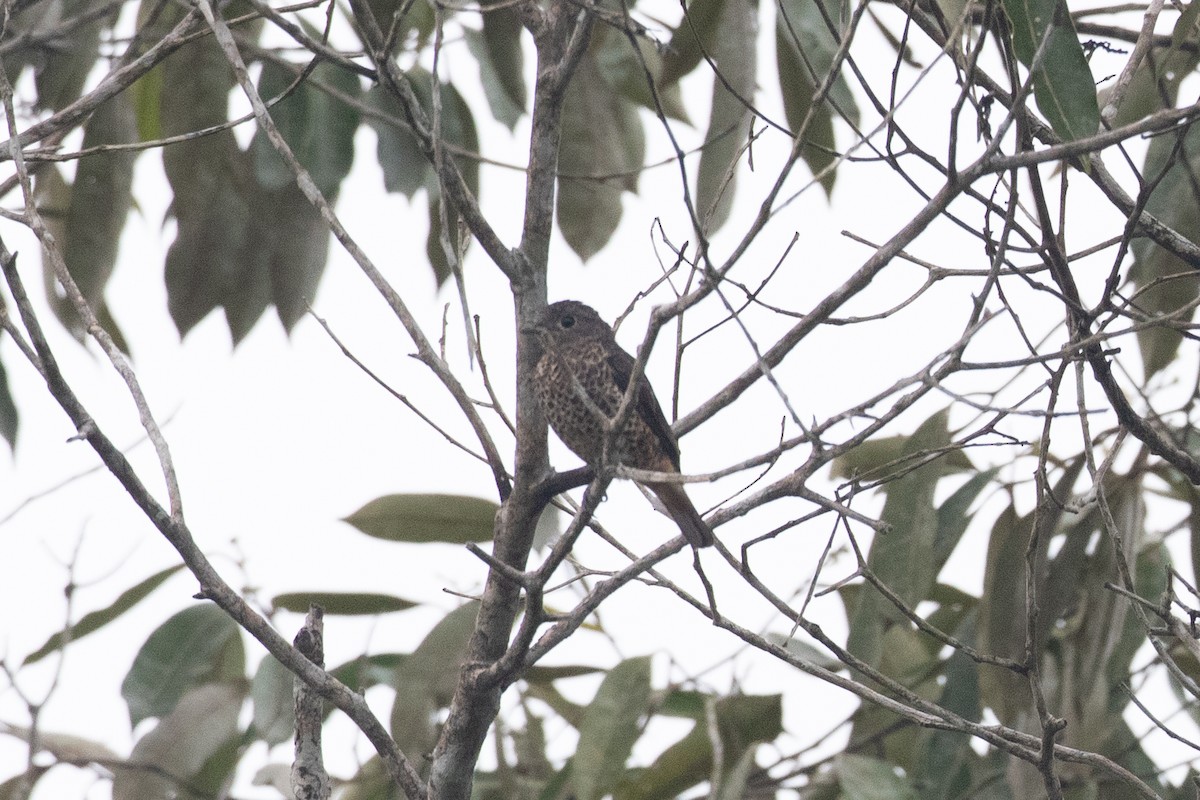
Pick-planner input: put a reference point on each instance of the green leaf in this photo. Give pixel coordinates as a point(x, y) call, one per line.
point(423, 518)
point(425, 681)
point(696, 35)
point(602, 150)
point(60, 78)
point(366, 671)
point(100, 200)
point(8, 410)
point(199, 645)
point(609, 728)
point(878, 459)
point(543, 674)
point(1002, 612)
point(296, 241)
point(1165, 283)
point(804, 52)
point(953, 515)
point(1063, 82)
point(902, 558)
point(213, 203)
point(735, 53)
point(498, 50)
point(625, 70)
point(271, 692)
point(344, 603)
point(318, 127)
point(865, 778)
point(743, 721)
point(405, 168)
point(214, 212)
point(95, 620)
point(202, 725)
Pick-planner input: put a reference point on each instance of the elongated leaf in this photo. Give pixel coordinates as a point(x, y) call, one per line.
point(425, 680)
point(199, 645)
point(903, 557)
point(601, 153)
point(405, 166)
point(1063, 83)
point(804, 52)
point(9, 418)
point(695, 36)
point(95, 620)
point(1166, 283)
point(318, 127)
point(423, 518)
point(609, 728)
point(498, 50)
point(865, 778)
point(344, 603)
point(100, 200)
point(298, 248)
point(60, 79)
point(736, 59)
point(743, 721)
point(625, 70)
point(213, 203)
point(200, 727)
point(1002, 610)
point(953, 515)
point(271, 691)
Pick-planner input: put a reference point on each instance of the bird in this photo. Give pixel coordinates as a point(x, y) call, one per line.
point(580, 355)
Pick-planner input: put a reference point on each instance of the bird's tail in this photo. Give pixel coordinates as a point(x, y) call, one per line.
point(680, 507)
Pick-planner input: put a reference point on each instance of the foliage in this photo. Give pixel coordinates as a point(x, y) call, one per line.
point(1005, 416)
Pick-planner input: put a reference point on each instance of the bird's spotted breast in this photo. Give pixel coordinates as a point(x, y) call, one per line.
point(561, 374)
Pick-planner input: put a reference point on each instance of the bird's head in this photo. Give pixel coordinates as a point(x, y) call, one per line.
point(569, 321)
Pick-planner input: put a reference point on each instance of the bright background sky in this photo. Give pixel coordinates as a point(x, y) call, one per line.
point(277, 440)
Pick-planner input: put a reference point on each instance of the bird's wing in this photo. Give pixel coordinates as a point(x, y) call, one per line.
point(646, 404)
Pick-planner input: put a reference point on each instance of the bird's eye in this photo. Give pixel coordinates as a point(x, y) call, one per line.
point(567, 321)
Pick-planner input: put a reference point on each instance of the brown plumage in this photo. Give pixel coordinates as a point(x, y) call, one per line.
point(580, 352)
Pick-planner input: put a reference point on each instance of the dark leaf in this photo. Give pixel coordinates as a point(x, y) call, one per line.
point(64, 64)
point(609, 728)
point(902, 558)
point(735, 53)
point(601, 154)
point(100, 200)
point(95, 620)
point(421, 518)
point(425, 681)
point(865, 778)
point(625, 70)
point(8, 410)
point(1063, 82)
point(743, 721)
point(343, 603)
point(405, 168)
point(318, 127)
point(200, 727)
point(1165, 283)
point(214, 197)
point(953, 515)
point(804, 51)
point(298, 250)
point(498, 49)
point(694, 37)
point(199, 645)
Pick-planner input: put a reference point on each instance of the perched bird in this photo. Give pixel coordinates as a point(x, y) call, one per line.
point(579, 355)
